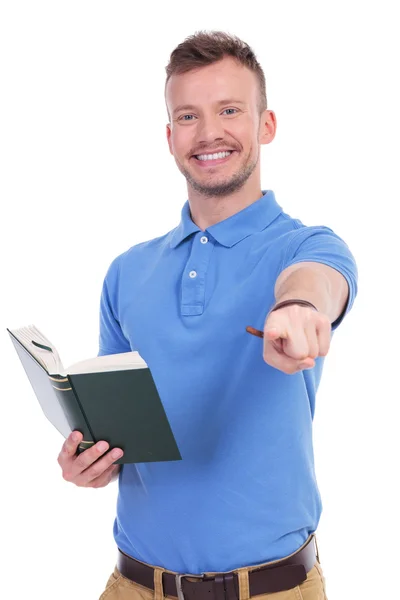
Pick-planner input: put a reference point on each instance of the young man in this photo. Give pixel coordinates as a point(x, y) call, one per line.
point(243, 504)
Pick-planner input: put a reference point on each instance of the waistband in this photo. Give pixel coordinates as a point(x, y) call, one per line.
point(269, 578)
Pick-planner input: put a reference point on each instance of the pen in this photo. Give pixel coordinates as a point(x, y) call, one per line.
point(254, 331)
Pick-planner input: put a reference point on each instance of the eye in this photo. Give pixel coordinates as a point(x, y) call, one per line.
point(230, 109)
point(186, 118)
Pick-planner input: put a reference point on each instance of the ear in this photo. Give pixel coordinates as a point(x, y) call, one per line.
point(169, 138)
point(267, 127)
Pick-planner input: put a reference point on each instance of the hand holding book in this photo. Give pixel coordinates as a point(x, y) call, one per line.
point(92, 468)
point(111, 399)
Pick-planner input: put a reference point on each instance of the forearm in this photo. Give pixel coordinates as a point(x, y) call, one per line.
point(323, 286)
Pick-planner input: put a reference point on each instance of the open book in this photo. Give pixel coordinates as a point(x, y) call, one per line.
point(46, 354)
point(112, 398)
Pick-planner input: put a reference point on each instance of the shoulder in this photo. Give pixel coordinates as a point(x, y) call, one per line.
point(299, 242)
point(288, 233)
point(317, 237)
point(293, 233)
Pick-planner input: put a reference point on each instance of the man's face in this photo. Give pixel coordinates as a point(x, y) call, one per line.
point(215, 128)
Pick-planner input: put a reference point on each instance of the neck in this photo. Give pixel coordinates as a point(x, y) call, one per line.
point(208, 210)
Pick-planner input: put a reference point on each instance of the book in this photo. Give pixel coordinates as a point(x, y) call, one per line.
point(112, 398)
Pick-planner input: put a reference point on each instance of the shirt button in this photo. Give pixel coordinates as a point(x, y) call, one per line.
point(192, 274)
point(204, 239)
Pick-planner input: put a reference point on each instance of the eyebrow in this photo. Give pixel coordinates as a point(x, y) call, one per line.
point(192, 107)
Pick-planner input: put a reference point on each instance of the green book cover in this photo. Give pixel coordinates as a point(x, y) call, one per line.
point(114, 399)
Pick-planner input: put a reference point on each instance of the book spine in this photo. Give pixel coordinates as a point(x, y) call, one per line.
point(72, 409)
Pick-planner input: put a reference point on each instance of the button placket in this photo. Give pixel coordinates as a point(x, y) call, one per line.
point(194, 276)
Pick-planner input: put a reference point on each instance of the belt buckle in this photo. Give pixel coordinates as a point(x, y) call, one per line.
point(178, 581)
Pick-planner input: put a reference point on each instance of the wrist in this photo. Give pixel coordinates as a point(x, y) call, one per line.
point(290, 301)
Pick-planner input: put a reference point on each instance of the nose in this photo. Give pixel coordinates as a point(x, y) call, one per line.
point(210, 129)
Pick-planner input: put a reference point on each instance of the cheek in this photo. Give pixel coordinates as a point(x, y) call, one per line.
point(253, 140)
point(245, 132)
point(181, 142)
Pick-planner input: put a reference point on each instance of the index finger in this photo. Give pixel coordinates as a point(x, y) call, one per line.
point(72, 442)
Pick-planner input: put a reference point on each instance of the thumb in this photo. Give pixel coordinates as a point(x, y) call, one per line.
point(273, 333)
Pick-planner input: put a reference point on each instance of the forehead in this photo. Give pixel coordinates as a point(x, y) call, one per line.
point(212, 83)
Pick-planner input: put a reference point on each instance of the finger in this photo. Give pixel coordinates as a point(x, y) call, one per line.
point(273, 333)
point(103, 479)
point(72, 442)
point(303, 346)
point(296, 345)
point(324, 336)
point(308, 363)
point(292, 334)
point(312, 339)
point(272, 338)
point(276, 326)
point(88, 457)
point(285, 363)
point(99, 468)
point(70, 446)
point(73, 466)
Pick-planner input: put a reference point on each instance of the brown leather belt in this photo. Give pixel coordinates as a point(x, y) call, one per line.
point(275, 577)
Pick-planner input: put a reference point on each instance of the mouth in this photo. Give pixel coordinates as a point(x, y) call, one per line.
point(211, 160)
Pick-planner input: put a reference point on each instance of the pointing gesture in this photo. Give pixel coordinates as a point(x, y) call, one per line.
point(294, 335)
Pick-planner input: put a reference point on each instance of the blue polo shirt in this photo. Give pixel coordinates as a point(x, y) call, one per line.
point(245, 491)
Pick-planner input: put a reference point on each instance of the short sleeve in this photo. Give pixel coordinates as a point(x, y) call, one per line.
point(321, 244)
point(111, 338)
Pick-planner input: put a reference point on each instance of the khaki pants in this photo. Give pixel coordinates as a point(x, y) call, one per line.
point(120, 588)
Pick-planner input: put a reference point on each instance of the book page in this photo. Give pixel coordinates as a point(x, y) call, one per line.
point(109, 362)
point(40, 347)
point(46, 354)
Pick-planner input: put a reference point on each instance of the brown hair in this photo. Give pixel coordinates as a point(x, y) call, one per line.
point(207, 47)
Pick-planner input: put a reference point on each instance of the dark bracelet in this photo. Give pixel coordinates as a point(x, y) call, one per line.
point(260, 333)
point(293, 301)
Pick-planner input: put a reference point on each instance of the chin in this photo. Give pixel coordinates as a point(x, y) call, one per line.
point(217, 188)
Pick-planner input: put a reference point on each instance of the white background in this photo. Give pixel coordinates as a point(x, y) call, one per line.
point(86, 173)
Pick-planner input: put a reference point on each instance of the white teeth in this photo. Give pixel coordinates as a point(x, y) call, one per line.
point(213, 156)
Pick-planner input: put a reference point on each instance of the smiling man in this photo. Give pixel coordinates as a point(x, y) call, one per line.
point(215, 136)
point(240, 511)
point(216, 141)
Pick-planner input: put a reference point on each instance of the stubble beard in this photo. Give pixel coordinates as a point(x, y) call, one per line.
point(221, 188)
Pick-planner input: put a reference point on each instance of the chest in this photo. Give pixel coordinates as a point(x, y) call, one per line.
point(196, 296)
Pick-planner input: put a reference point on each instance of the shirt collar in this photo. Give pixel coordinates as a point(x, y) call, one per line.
point(255, 217)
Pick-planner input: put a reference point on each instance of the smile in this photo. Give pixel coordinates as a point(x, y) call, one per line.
point(207, 160)
point(213, 156)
